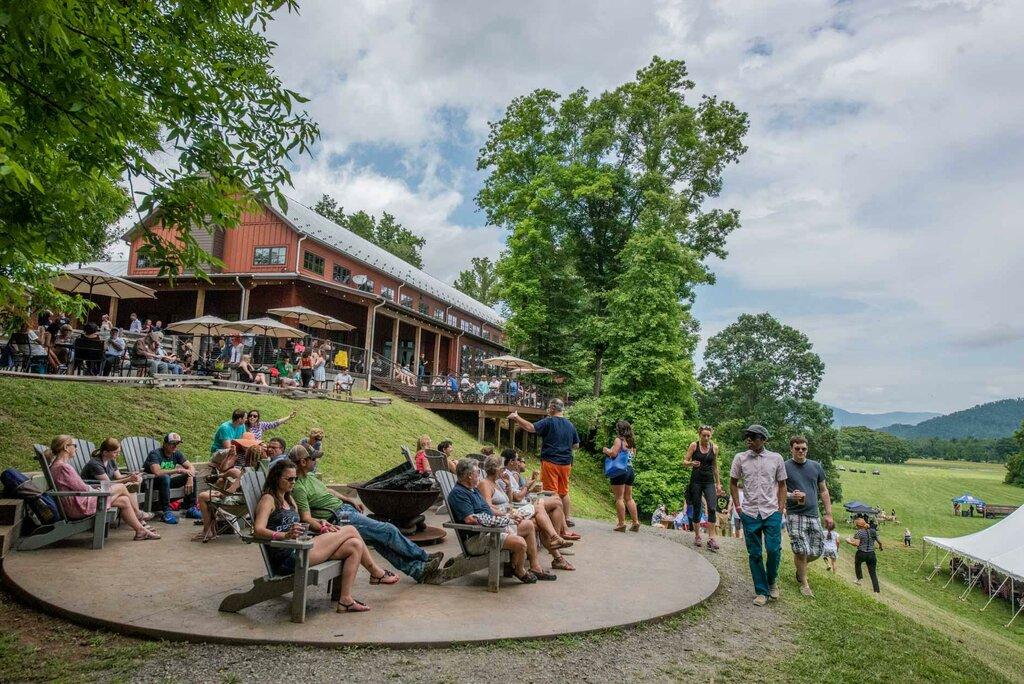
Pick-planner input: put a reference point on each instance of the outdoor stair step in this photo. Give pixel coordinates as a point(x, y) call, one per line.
point(10, 511)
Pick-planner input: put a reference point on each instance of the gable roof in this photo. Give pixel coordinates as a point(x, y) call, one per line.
point(308, 222)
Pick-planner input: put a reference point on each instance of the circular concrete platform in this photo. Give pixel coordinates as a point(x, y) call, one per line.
point(171, 589)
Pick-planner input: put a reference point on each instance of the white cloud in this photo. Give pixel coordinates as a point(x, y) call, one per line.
point(884, 162)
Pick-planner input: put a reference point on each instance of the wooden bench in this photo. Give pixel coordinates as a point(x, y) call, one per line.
point(170, 380)
point(271, 586)
point(466, 563)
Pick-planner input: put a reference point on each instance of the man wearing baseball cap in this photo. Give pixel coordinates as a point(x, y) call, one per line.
point(170, 468)
point(764, 485)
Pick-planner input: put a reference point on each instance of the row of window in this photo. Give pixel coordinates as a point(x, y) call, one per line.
point(275, 256)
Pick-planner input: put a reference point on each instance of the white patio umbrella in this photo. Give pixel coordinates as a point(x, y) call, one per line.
point(93, 281)
point(311, 318)
point(534, 368)
point(267, 327)
point(510, 362)
point(204, 325)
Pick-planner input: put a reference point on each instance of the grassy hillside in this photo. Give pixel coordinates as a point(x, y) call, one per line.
point(984, 421)
point(920, 491)
point(361, 441)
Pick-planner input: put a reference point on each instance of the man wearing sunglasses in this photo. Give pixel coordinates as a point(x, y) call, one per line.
point(805, 482)
point(764, 485)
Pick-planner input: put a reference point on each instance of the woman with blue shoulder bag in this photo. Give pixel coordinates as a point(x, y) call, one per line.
point(618, 468)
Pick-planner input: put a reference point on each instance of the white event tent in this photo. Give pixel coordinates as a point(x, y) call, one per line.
point(998, 548)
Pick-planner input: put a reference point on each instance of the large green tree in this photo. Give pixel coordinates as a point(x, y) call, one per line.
point(758, 370)
point(480, 281)
point(573, 175)
point(1015, 463)
point(91, 90)
point(386, 232)
point(650, 366)
point(865, 444)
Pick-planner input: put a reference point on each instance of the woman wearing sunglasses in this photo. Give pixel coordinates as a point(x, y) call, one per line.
point(257, 427)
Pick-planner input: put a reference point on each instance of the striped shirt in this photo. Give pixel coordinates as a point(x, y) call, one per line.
point(867, 540)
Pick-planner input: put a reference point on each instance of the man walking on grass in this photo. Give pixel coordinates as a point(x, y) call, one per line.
point(764, 486)
point(805, 482)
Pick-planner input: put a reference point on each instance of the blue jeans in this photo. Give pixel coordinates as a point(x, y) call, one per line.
point(162, 486)
point(386, 540)
point(770, 529)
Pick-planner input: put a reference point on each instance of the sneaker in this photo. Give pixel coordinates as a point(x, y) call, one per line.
point(774, 591)
point(194, 513)
point(806, 591)
point(432, 569)
point(760, 600)
point(857, 582)
point(697, 541)
point(169, 518)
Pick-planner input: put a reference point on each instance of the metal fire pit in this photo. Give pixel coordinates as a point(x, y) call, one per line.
point(402, 508)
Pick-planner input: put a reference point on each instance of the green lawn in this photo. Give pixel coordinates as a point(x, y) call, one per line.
point(362, 441)
point(921, 491)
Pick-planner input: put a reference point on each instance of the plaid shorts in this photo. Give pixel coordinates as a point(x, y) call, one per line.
point(805, 534)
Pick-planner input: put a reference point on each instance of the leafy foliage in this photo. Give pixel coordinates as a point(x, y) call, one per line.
point(992, 420)
point(90, 90)
point(967, 449)
point(386, 233)
point(650, 348)
point(571, 176)
point(864, 444)
point(758, 370)
point(480, 281)
point(1015, 463)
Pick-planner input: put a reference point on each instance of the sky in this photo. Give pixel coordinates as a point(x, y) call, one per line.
point(880, 196)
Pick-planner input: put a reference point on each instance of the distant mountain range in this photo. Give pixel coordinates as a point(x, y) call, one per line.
point(842, 418)
point(985, 421)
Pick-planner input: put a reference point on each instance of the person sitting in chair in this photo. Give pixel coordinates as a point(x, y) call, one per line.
point(468, 507)
point(343, 382)
point(322, 509)
point(170, 468)
point(102, 466)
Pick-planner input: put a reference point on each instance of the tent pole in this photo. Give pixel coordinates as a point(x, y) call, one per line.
point(996, 592)
point(970, 586)
point(924, 556)
point(1015, 614)
point(952, 575)
point(938, 564)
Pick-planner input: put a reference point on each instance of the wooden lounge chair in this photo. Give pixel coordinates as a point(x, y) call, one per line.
point(270, 585)
point(135, 451)
point(66, 527)
point(408, 456)
point(462, 565)
point(437, 460)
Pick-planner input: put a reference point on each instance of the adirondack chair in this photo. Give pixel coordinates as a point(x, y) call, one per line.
point(66, 527)
point(437, 460)
point(466, 563)
point(135, 451)
point(83, 452)
point(270, 585)
point(408, 456)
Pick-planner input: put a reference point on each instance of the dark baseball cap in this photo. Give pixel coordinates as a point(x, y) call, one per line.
point(756, 430)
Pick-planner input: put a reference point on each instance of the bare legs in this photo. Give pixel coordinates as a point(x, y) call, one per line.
point(345, 545)
point(623, 503)
point(528, 531)
point(516, 546)
point(125, 502)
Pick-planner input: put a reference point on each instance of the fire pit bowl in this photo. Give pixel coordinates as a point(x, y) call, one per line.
point(396, 505)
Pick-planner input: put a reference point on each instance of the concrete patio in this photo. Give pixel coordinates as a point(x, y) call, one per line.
point(171, 588)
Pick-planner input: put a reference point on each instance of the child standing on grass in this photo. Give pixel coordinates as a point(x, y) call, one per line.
point(830, 546)
point(906, 537)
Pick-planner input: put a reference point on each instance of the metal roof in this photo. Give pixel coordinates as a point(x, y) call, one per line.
point(308, 222)
point(114, 268)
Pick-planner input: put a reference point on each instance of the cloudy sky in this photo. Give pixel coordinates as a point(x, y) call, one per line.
point(880, 198)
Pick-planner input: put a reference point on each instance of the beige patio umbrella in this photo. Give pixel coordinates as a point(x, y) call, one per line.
point(93, 281)
point(510, 362)
point(311, 318)
point(267, 327)
point(533, 368)
point(204, 325)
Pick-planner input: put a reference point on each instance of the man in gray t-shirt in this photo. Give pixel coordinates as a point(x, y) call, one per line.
point(805, 482)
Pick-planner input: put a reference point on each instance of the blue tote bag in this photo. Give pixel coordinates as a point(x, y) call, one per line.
point(613, 467)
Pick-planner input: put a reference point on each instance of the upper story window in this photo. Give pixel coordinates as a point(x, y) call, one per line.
point(340, 274)
point(486, 334)
point(313, 262)
point(406, 301)
point(424, 309)
point(387, 292)
point(453, 320)
point(367, 286)
point(142, 262)
point(439, 314)
point(269, 256)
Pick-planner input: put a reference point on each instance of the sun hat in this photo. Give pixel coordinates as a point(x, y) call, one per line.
point(245, 441)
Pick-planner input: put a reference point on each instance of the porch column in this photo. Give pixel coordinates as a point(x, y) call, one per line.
point(481, 426)
point(244, 310)
point(200, 301)
point(112, 313)
point(437, 354)
point(416, 354)
point(394, 341)
point(512, 434)
point(368, 338)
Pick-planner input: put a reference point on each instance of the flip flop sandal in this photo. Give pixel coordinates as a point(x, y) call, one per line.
point(356, 606)
point(619, 528)
point(561, 564)
point(635, 527)
point(559, 543)
point(545, 576)
point(527, 578)
point(387, 578)
point(571, 536)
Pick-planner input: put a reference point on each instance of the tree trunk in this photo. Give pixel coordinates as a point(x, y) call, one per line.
point(598, 370)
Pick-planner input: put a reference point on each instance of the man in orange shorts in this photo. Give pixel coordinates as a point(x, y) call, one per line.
point(559, 439)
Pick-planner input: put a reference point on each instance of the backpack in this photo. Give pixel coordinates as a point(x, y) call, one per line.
point(41, 508)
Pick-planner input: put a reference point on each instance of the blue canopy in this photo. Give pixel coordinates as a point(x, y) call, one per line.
point(968, 500)
point(860, 507)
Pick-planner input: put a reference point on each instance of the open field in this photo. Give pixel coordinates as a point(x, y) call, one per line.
point(921, 491)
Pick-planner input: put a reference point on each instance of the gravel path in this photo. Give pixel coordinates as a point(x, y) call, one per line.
point(704, 644)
